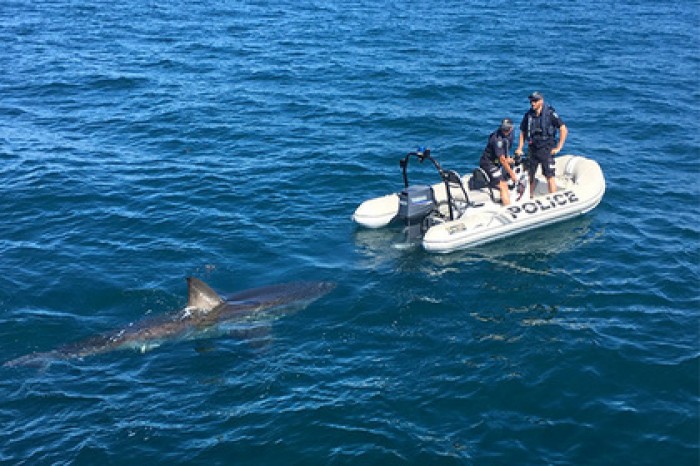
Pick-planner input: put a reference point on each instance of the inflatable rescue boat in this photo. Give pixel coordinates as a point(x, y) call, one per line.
point(463, 211)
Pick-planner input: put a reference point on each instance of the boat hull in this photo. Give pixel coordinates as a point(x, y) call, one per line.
point(580, 188)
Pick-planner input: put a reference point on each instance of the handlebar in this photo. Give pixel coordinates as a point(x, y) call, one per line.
point(422, 154)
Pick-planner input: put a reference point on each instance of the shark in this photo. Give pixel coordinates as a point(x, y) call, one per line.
point(208, 314)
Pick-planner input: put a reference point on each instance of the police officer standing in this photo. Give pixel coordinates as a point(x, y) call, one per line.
point(496, 156)
point(539, 127)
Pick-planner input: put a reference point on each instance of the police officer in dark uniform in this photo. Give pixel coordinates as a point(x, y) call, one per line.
point(539, 128)
point(495, 158)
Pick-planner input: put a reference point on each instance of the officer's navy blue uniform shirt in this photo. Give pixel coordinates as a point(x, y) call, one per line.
point(498, 145)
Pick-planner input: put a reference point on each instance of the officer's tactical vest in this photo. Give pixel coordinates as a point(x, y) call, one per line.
point(541, 129)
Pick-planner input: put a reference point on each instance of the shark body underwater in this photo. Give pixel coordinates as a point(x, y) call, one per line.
point(208, 314)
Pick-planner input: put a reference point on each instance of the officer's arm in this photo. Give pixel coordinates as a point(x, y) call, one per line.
point(521, 141)
point(563, 132)
point(505, 162)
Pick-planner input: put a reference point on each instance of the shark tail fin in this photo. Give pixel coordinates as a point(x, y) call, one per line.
point(201, 296)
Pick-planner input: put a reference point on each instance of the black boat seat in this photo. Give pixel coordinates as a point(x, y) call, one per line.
point(480, 181)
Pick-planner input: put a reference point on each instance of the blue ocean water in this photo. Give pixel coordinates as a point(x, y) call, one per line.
point(143, 142)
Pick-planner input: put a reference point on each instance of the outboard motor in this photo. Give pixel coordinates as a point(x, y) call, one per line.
point(415, 204)
point(418, 207)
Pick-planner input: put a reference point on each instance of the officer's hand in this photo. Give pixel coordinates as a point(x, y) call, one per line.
point(555, 151)
point(518, 152)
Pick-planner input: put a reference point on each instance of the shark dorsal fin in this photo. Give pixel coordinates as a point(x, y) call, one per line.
point(201, 296)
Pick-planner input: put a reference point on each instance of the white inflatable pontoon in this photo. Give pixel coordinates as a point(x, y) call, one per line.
point(462, 212)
